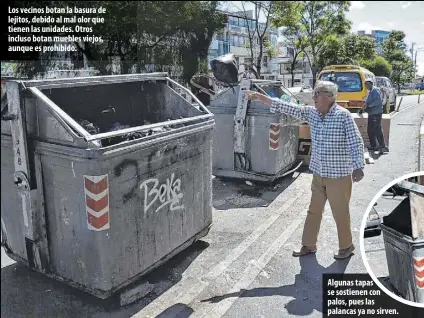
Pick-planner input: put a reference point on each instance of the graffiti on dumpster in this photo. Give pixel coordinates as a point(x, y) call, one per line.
point(118, 171)
point(167, 193)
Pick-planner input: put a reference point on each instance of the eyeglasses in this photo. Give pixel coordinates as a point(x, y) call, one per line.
point(321, 93)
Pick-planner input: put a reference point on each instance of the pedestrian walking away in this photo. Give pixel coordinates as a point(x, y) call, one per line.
point(337, 160)
point(374, 106)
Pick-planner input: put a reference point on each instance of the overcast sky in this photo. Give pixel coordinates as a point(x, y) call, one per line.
point(407, 16)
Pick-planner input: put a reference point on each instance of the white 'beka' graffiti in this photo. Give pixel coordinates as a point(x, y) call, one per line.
point(166, 193)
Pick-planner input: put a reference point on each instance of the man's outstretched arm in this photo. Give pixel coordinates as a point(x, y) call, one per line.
point(281, 106)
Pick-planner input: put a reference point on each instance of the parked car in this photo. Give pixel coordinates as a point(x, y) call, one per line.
point(419, 86)
point(372, 227)
point(388, 91)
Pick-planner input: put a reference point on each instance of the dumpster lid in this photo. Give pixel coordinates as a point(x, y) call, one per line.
point(409, 215)
point(408, 186)
point(36, 87)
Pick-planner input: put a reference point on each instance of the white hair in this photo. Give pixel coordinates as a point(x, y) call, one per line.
point(326, 86)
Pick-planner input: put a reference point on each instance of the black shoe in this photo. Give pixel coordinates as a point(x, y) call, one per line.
point(384, 150)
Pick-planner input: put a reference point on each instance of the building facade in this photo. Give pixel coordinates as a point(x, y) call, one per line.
point(234, 38)
point(302, 73)
point(379, 37)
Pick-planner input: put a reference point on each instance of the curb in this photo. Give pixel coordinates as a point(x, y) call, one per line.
point(421, 147)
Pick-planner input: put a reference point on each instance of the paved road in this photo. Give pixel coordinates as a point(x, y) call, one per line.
point(244, 267)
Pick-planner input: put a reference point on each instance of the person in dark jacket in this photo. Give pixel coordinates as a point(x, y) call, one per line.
point(374, 107)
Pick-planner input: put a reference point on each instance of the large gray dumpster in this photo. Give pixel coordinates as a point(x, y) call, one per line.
point(403, 233)
point(249, 141)
point(99, 210)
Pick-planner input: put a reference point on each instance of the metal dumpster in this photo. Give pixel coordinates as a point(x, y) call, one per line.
point(98, 210)
point(403, 234)
point(249, 141)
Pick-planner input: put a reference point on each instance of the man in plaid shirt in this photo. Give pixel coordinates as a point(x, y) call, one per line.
point(337, 159)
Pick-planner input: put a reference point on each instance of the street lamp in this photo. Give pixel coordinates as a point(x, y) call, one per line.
point(420, 49)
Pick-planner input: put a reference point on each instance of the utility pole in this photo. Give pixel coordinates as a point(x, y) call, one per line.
point(412, 50)
point(420, 49)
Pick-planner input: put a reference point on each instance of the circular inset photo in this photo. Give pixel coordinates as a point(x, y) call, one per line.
point(392, 239)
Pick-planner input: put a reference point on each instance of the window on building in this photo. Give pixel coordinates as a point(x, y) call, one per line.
point(265, 61)
point(242, 40)
point(233, 20)
point(290, 51)
point(236, 40)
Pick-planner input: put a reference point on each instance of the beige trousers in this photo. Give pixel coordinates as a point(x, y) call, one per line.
point(337, 192)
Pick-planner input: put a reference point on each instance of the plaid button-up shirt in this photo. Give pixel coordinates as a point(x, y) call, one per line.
point(337, 145)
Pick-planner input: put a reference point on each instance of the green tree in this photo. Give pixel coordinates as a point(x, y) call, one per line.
point(378, 65)
point(316, 21)
point(258, 43)
point(298, 48)
point(349, 49)
point(394, 51)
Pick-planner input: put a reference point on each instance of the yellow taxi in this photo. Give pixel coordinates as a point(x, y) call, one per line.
point(351, 82)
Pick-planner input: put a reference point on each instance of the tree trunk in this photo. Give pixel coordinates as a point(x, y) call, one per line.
point(313, 69)
point(314, 76)
point(259, 63)
point(292, 77)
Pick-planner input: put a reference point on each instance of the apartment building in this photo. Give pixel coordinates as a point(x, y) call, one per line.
point(234, 38)
point(379, 37)
point(302, 71)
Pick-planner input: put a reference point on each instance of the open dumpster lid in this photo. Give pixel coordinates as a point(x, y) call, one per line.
point(40, 89)
point(412, 206)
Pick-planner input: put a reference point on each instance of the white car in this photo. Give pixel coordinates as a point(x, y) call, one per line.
point(388, 91)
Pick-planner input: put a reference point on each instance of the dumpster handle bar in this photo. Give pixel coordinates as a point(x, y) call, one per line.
point(99, 82)
point(191, 94)
point(92, 80)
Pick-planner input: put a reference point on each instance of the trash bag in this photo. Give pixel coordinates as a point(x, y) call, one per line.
point(89, 127)
point(224, 69)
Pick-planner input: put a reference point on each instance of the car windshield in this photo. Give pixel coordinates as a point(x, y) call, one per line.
point(346, 81)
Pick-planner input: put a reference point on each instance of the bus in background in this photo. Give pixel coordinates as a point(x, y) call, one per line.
point(351, 82)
